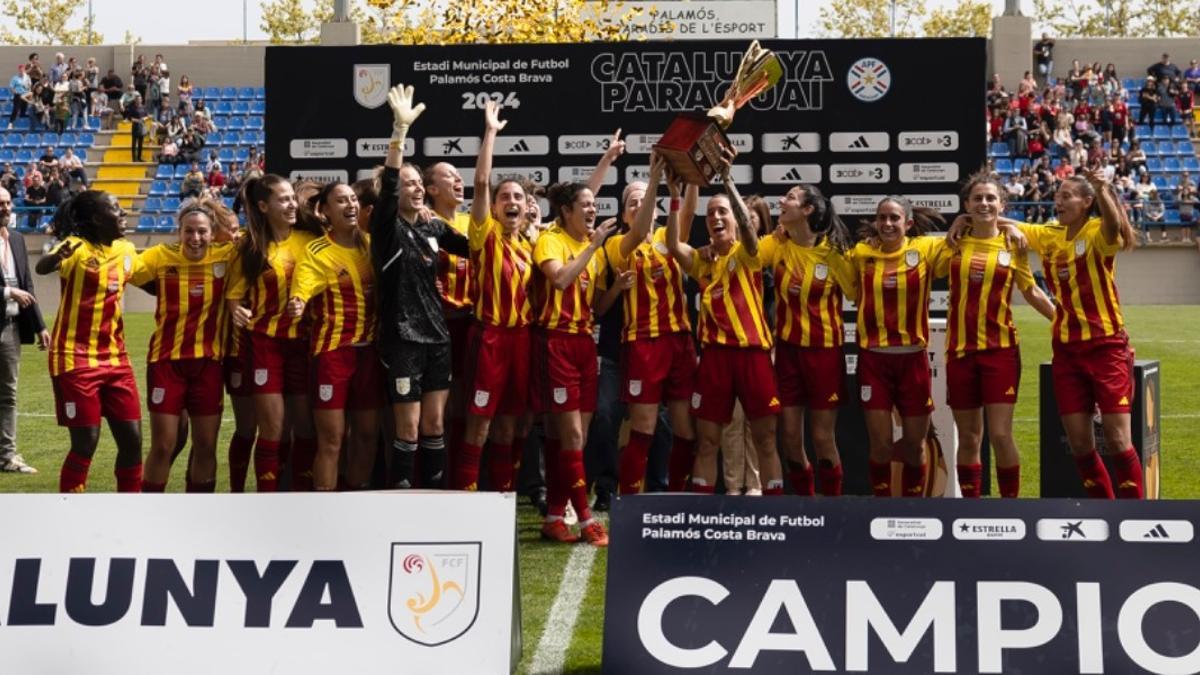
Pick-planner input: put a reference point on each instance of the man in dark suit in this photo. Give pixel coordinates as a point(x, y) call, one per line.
point(20, 322)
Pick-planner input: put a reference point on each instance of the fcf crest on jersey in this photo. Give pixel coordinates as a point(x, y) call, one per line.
point(433, 594)
point(371, 84)
point(865, 393)
point(325, 392)
point(911, 258)
point(821, 271)
point(219, 270)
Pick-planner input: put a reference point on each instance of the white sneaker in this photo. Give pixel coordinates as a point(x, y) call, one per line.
point(753, 492)
point(569, 516)
point(16, 464)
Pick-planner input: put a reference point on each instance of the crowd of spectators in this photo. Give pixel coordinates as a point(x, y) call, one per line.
point(1056, 128)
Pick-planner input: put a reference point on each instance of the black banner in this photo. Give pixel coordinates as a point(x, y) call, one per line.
point(861, 118)
point(794, 585)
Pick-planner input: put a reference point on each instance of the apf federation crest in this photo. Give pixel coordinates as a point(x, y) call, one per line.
point(371, 84)
point(433, 594)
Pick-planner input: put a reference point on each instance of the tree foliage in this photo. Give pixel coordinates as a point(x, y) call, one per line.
point(969, 18)
point(1119, 18)
point(44, 22)
point(870, 18)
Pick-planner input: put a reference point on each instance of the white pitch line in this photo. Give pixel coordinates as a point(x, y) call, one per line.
point(1170, 416)
point(560, 624)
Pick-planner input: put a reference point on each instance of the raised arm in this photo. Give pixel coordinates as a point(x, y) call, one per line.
point(481, 205)
point(746, 233)
point(51, 261)
point(404, 113)
point(644, 220)
point(1114, 224)
point(678, 247)
point(616, 147)
point(687, 211)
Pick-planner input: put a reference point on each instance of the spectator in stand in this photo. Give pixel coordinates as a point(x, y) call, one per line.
point(136, 113)
point(62, 112)
point(1078, 155)
point(9, 180)
point(158, 67)
point(1148, 100)
point(1192, 76)
point(30, 171)
point(193, 182)
point(113, 87)
point(184, 93)
point(1076, 81)
point(233, 181)
point(153, 96)
point(1164, 70)
point(21, 88)
point(35, 199)
point(202, 110)
point(202, 124)
point(1183, 101)
point(1141, 194)
point(1186, 197)
point(1107, 123)
point(1095, 154)
point(168, 152)
point(1137, 157)
point(1028, 85)
point(91, 75)
point(1037, 142)
point(1043, 56)
point(139, 75)
point(59, 68)
point(127, 98)
point(1168, 99)
point(77, 91)
point(164, 85)
point(72, 167)
point(214, 162)
point(1062, 140)
point(41, 105)
point(1064, 169)
point(216, 179)
point(1122, 122)
point(997, 96)
point(1014, 188)
point(191, 145)
point(1113, 87)
point(1016, 134)
point(1154, 214)
point(56, 189)
point(255, 159)
point(34, 69)
point(48, 160)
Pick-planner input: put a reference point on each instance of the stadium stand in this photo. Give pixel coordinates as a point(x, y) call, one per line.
point(1130, 127)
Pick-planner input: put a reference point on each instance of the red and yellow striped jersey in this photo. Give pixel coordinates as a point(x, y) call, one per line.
point(189, 313)
point(88, 330)
point(731, 299)
point(656, 305)
point(454, 272)
point(568, 310)
point(338, 283)
point(982, 273)
point(893, 292)
point(269, 295)
point(1081, 272)
point(809, 282)
point(502, 267)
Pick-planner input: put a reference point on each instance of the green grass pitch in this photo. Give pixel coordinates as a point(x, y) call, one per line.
point(1165, 333)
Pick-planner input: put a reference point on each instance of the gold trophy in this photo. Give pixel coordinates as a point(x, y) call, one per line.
point(693, 143)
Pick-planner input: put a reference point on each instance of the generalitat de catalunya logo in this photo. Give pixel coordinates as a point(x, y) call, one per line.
point(433, 594)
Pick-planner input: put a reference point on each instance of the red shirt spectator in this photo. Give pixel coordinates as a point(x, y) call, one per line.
point(216, 179)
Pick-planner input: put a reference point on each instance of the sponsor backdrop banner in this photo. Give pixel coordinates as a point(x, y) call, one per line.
point(289, 583)
point(793, 585)
point(857, 117)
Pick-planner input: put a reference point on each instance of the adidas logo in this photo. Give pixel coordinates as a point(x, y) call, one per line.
point(519, 146)
point(1157, 532)
point(270, 475)
point(1129, 484)
point(1012, 391)
point(793, 174)
point(833, 398)
point(1124, 401)
point(861, 143)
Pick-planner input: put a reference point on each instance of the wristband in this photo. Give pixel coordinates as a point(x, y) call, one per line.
point(674, 204)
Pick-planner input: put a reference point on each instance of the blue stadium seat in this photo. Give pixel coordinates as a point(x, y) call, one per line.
point(1020, 163)
point(1150, 147)
point(5, 92)
point(1160, 182)
point(243, 153)
point(235, 123)
point(1191, 164)
point(1179, 131)
point(10, 140)
point(1184, 148)
point(1162, 132)
point(240, 107)
point(68, 139)
point(49, 138)
point(159, 187)
point(1129, 83)
point(999, 150)
point(1154, 164)
point(228, 93)
point(220, 107)
point(258, 107)
point(212, 93)
point(260, 93)
point(33, 140)
point(164, 171)
point(24, 156)
point(7, 155)
point(246, 93)
point(170, 204)
point(216, 138)
point(145, 223)
point(22, 124)
point(1172, 165)
point(228, 202)
point(87, 139)
point(254, 122)
point(1142, 131)
point(1004, 166)
point(225, 154)
point(152, 205)
point(181, 170)
point(1171, 216)
point(44, 223)
point(165, 224)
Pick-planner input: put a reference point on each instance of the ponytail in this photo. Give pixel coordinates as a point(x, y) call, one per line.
point(253, 246)
point(825, 221)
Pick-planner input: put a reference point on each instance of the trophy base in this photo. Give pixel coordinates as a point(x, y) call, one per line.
point(692, 145)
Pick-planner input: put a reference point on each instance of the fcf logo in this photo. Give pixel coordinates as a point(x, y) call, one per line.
point(371, 84)
point(433, 595)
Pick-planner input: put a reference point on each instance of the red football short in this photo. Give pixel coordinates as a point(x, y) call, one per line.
point(188, 384)
point(726, 373)
point(900, 381)
point(658, 369)
point(985, 377)
point(278, 365)
point(1093, 373)
point(498, 377)
point(810, 377)
point(83, 395)
point(565, 374)
point(347, 378)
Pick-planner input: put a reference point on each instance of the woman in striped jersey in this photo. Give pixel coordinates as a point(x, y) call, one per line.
point(336, 282)
point(1093, 361)
point(735, 360)
point(277, 346)
point(658, 358)
point(497, 384)
point(894, 272)
point(566, 384)
point(808, 258)
point(88, 363)
point(184, 372)
point(983, 361)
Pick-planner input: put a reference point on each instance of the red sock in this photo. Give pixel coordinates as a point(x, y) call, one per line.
point(304, 451)
point(881, 478)
point(556, 496)
point(466, 467)
point(1095, 477)
point(129, 479)
point(1129, 474)
point(830, 476)
point(500, 467)
point(970, 479)
point(574, 482)
point(239, 462)
point(912, 481)
point(703, 489)
point(679, 463)
point(1009, 478)
point(802, 480)
point(74, 474)
point(266, 464)
point(207, 487)
point(632, 469)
